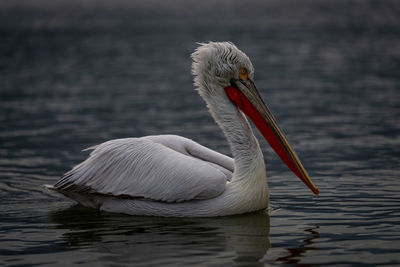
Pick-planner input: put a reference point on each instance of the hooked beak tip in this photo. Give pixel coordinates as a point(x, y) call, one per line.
point(316, 191)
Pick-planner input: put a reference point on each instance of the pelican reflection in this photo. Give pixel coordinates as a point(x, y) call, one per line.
point(121, 239)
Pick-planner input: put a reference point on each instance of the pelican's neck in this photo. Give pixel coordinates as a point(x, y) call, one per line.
point(244, 145)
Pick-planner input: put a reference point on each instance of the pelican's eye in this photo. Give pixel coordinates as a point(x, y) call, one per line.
point(243, 74)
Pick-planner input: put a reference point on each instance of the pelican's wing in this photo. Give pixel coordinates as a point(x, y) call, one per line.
point(163, 168)
point(190, 148)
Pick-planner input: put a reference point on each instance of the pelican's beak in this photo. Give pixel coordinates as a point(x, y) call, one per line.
point(244, 94)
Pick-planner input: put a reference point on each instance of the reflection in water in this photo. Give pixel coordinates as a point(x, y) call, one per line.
point(134, 239)
point(297, 253)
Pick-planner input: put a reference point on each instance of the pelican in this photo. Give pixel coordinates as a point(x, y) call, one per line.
point(169, 175)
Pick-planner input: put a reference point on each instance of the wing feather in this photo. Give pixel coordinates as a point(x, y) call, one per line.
point(163, 168)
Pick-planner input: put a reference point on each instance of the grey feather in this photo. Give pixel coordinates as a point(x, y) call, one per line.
point(164, 168)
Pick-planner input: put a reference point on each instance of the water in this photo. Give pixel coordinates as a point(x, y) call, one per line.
point(74, 74)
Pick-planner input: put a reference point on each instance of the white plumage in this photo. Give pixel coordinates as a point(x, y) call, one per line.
point(168, 175)
point(117, 168)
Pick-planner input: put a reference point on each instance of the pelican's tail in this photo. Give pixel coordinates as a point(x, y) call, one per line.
point(49, 187)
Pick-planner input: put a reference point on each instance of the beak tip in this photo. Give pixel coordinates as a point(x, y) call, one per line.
point(316, 191)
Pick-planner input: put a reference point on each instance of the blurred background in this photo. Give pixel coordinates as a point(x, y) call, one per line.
point(77, 73)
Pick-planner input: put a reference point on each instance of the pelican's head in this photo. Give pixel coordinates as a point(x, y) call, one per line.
point(221, 72)
point(215, 64)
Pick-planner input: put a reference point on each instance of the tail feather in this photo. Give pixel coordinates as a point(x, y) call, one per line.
point(49, 187)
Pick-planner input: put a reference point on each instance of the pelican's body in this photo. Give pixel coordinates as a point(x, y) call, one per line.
point(169, 175)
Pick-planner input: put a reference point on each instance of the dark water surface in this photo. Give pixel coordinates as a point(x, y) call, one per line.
point(77, 73)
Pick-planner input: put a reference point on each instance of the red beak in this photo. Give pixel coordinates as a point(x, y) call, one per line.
point(245, 96)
